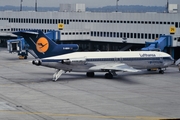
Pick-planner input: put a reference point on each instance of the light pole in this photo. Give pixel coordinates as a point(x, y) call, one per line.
point(36, 5)
point(21, 5)
point(117, 5)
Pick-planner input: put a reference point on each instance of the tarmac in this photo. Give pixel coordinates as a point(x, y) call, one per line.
point(27, 92)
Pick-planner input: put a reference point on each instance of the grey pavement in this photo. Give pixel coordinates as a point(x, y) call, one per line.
point(27, 92)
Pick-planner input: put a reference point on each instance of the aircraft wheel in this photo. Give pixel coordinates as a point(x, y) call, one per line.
point(25, 57)
point(108, 76)
point(90, 74)
point(161, 71)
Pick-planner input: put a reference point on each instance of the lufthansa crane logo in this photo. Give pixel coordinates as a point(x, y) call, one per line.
point(42, 45)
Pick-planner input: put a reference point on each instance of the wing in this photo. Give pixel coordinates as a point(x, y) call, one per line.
point(114, 67)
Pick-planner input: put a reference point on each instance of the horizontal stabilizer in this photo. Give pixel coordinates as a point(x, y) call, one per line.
point(19, 33)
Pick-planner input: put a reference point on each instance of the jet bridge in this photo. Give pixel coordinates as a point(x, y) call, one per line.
point(159, 45)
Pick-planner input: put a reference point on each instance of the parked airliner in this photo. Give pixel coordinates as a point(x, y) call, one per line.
point(91, 62)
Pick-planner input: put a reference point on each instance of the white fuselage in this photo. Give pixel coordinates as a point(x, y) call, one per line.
point(82, 61)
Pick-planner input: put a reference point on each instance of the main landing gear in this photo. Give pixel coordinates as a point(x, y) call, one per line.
point(161, 71)
point(108, 75)
point(90, 74)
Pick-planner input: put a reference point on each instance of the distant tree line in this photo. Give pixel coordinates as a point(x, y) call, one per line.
point(122, 8)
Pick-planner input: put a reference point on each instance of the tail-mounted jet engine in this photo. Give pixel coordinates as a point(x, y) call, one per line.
point(74, 61)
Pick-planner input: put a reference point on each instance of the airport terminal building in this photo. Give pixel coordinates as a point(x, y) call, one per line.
point(95, 30)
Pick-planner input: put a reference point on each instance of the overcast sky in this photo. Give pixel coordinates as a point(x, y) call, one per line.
point(89, 3)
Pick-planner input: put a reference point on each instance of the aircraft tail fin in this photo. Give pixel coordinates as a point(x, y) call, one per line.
point(43, 46)
point(38, 42)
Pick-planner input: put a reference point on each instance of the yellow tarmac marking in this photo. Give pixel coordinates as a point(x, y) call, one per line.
point(84, 115)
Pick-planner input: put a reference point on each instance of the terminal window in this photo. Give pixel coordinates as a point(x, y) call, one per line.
point(104, 34)
point(101, 33)
point(94, 33)
point(48, 21)
point(91, 33)
point(97, 33)
point(117, 34)
point(142, 36)
point(176, 24)
point(121, 35)
point(111, 34)
point(107, 34)
point(131, 35)
point(153, 36)
point(138, 35)
point(145, 35)
point(114, 34)
point(124, 35)
point(127, 35)
point(157, 36)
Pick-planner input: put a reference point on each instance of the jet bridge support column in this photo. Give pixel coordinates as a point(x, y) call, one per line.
point(172, 52)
